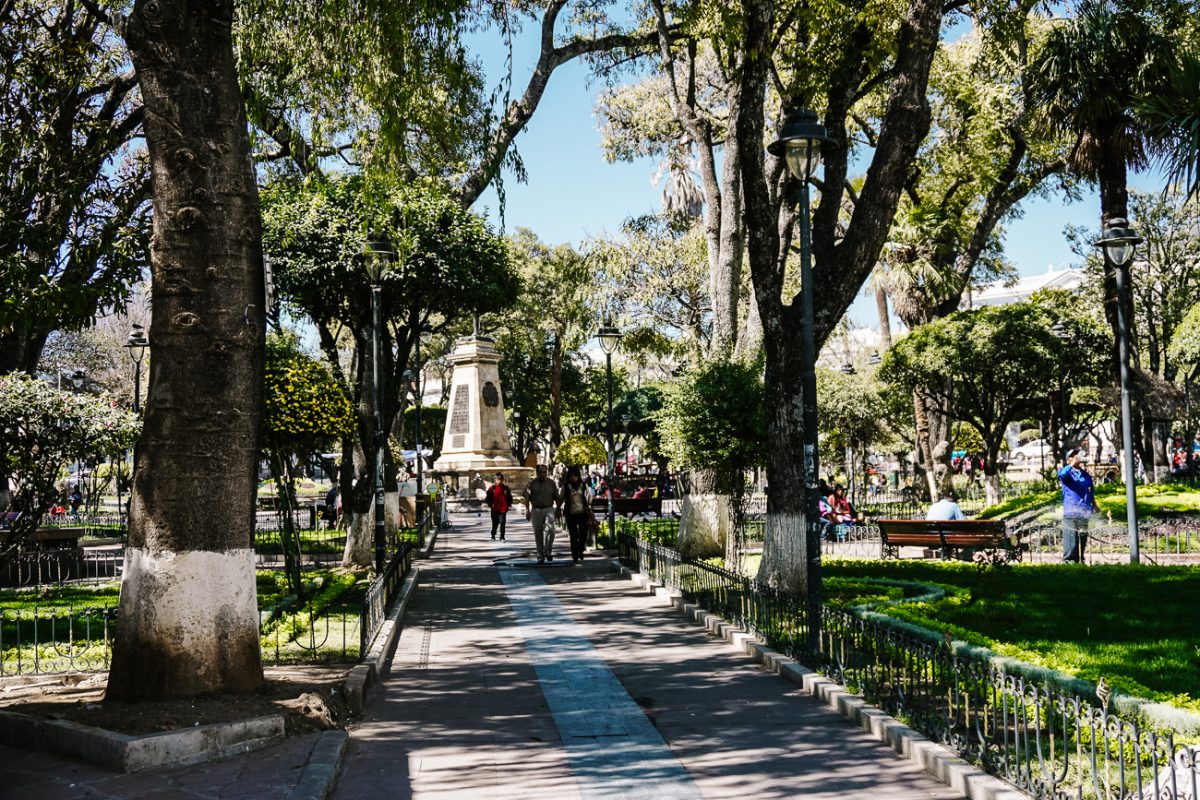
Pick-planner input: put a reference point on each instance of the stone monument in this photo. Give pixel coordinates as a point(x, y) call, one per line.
point(476, 436)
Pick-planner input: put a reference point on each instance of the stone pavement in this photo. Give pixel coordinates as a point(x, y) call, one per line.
point(566, 682)
point(560, 682)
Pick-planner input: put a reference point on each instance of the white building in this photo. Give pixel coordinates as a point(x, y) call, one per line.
point(1004, 292)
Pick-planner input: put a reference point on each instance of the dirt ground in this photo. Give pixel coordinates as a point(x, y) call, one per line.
point(304, 694)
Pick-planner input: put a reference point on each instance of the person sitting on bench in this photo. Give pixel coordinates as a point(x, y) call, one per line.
point(946, 508)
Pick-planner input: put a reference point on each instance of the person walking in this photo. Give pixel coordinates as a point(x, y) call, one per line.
point(542, 495)
point(575, 500)
point(1079, 504)
point(499, 499)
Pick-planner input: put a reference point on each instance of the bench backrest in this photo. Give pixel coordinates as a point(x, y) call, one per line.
point(964, 532)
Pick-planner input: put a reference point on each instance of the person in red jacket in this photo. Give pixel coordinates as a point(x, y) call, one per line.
point(499, 498)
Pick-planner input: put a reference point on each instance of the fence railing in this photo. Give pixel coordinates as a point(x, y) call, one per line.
point(1043, 741)
point(382, 593)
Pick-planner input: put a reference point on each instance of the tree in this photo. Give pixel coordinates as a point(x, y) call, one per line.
point(74, 183)
point(984, 156)
point(848, 407)
point(42, 430)
point(557, 305)
point(581, 450)
point(713, 419)
point(978, 376)
point(305, 412)
point(1086, 82)
point(656, 278)
point(450, 264)
point(189, 614)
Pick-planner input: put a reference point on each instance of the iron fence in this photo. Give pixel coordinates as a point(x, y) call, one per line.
point(382, 594)
point(1160, 541)
point(1043, 741)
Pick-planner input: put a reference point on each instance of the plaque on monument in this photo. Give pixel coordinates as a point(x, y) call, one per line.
point(460, 410)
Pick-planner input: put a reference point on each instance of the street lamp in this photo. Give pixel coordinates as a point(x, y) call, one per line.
point(379, 251)
point(610, 338)
point(800, 141)
point(1118, 243)
point(136, 344)
point(1063, 334)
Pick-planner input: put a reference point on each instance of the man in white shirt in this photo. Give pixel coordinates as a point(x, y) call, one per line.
point(946, 508)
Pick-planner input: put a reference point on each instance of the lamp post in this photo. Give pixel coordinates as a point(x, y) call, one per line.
point(378, 251)
point(1118, 243)
point(1063, 334)
point(136, 344)
point(799, 142)
point(848, 369)
point(610, 338)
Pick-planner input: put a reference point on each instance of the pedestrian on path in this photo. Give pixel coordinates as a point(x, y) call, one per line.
point(1079, 504)
point(499, 498)
point(542, 495)
point(576, 502)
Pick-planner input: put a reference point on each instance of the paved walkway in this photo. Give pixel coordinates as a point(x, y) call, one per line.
point(565, 682)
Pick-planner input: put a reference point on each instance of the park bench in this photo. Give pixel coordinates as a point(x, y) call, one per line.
point(953, 538)
point(629, 506)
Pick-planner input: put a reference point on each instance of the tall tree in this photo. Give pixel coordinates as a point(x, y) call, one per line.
point(844, 254)
point(557, 303)
point(73, 184)
point(189, 612)
point(983, 157)
point(449, 265)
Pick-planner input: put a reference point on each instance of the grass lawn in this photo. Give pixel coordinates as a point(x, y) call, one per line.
point(1131, 625)
point(71, 630)
point(1152, 499)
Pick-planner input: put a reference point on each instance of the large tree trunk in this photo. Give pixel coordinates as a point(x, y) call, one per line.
point(706, 520)
point(189, 614)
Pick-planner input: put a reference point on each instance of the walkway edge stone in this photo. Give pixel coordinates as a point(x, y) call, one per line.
point(379, 653)
point(938, 761)
point(125, 753)
point(320, 774)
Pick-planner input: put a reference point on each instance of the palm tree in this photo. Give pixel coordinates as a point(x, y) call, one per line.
point(1173, 119)
point(1086, 80)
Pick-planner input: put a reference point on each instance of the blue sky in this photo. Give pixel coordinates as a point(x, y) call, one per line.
point(573, 193)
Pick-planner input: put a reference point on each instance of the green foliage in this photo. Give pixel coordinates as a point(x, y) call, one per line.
point(394, 81)
point(73, 191)
point(1185, 345)
point(448, 263)
point(969, 364)
point(1117, 621)
point(657, 278)
point(43, 429)
point(849, 410)
point(306, 410)
point(580, 450)
point(714, 418)
point(433, 423)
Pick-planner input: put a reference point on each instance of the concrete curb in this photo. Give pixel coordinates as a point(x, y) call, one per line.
point(125, 753)
point(938, 761)
point(320, 774)
point(374, 664)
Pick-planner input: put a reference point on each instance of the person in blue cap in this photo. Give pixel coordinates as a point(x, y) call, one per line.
point(1079, 504)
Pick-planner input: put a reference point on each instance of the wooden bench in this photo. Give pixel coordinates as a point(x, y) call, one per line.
point(628, 506)
point(955, 538)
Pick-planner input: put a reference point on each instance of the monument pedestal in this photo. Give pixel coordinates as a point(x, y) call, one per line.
point(476, 436)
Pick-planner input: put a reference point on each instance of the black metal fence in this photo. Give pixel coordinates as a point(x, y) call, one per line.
point(1047, 743)
point(382, 594)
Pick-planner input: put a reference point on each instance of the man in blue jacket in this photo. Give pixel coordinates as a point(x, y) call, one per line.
point(1079, 503)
